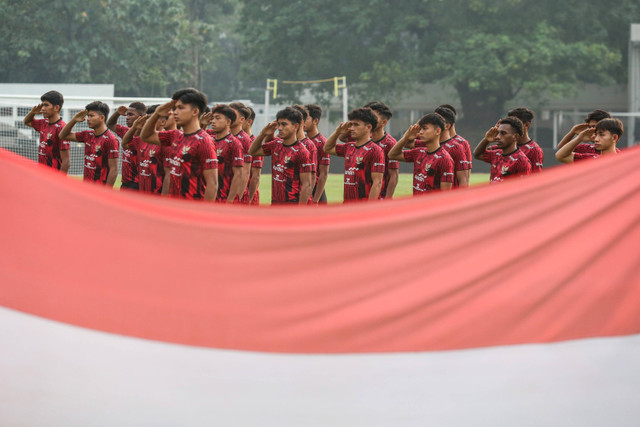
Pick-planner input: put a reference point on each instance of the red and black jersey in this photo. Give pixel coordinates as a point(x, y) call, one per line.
point(150, 162)
point(313, 153)
point(386, 143)
point(467, 150)
point(359, 164)
point(98, 149)
point(256, 162)
point(50, 144)
point(429, 169)
point(190, 156)
point(322, 158)
point(586, 148)
point(457, 152)
point(287, 163)
point(129, 159)
point(504, 166)
point(230, 154)
point(534, 153)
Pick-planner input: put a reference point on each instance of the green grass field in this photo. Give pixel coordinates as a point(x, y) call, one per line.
point(334, 186)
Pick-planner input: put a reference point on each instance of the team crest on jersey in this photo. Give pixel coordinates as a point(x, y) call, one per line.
point(505, 170)
point(174, 145)
point(287, 159)
point(427, 166)
point(152, 152)
point(219, 151)
point(359, 160)
point(49, 135)
point(98, 147)
point(185, 150)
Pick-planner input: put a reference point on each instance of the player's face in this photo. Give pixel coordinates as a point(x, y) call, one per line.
point(184, 113)
point(161, 123)
point(239, 119)
point(220, 123)
point(506, 136)
point(94, 119)
point(592, 125)
point(287, 129)
point(308, 124)
point(429, 133)
point(359, 130)
point(381, 121)
point(132, 115)
point(48, 110)
point(247, 125)
point(603, 139)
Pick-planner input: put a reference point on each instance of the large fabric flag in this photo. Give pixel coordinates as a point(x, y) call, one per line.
point(512, 304)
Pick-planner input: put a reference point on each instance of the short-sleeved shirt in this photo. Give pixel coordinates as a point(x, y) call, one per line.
point(534, 153)
point(457, 152)
point(430, 169)
point(50, 144)
point(98, 149)
point(359, 164)
point(129, 159)
point(257, 162)
point(190, 155)
point(230, 154)
point(467, 150)
point(313, 154)
point(586, 148)
point(322, 158)
point(287, 163)
point(507, 166)
point(386, 143)
point(150, 162)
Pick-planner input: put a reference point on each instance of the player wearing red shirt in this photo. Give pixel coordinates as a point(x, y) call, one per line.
point(363, 159)
point(455, 148)
point(310, 146)
point(585, 146)
point(528, 146)
point(194, 166)
point(290, 162)
point(101, 149)
point(129, 155)
point(323, 160)
point(507, 160)
point(150, 157)
point(460, 139)
point(242, 114)
point(52, 151)
point(432, 165)
point(230, 155)
point(605, 136)
point(386, 142)
point(253, 194)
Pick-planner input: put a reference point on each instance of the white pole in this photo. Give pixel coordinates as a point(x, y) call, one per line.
point(345, 103)
point(266, 106)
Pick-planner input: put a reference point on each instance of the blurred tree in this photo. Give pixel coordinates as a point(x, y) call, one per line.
point(488, 50)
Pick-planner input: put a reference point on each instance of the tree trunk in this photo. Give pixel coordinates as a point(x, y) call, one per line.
point(481, 109)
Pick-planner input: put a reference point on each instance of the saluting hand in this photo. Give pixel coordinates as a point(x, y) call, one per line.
point(412, 133)
point(122, 110)
point(79, 117)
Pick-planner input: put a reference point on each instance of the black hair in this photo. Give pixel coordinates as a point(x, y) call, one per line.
point(447, 114)
point(365, 115)
point(433, 119)
point(139, 107)
point(241, 108)
point(98, 107)
point(252, 114)
point(225, 110)
point(524, 114)
point(315, 111)
point(612, 125)
point(381, 108)
point(54, 97)
point(152, 109)
point(193, 97)
point(515, 123)
point(597, 115)
point(450, 107)
point(303, 111)
point(291, 114)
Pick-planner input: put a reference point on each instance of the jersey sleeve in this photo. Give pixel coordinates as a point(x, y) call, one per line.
point(393, 164)
point(237, 154)
point(64, 145)
point(409, 155)
point(268, 147)
point(447, 170)
point(459, 158)
point(83, 135)
point(489, 156)
point(121, 131)
point(536, 157)
point(37, 124)
point(166, 136)
point(304, 161)
point(341, 149)
point(257, 161)
point(208, 156)
point(377, 161)
point(113, 147)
